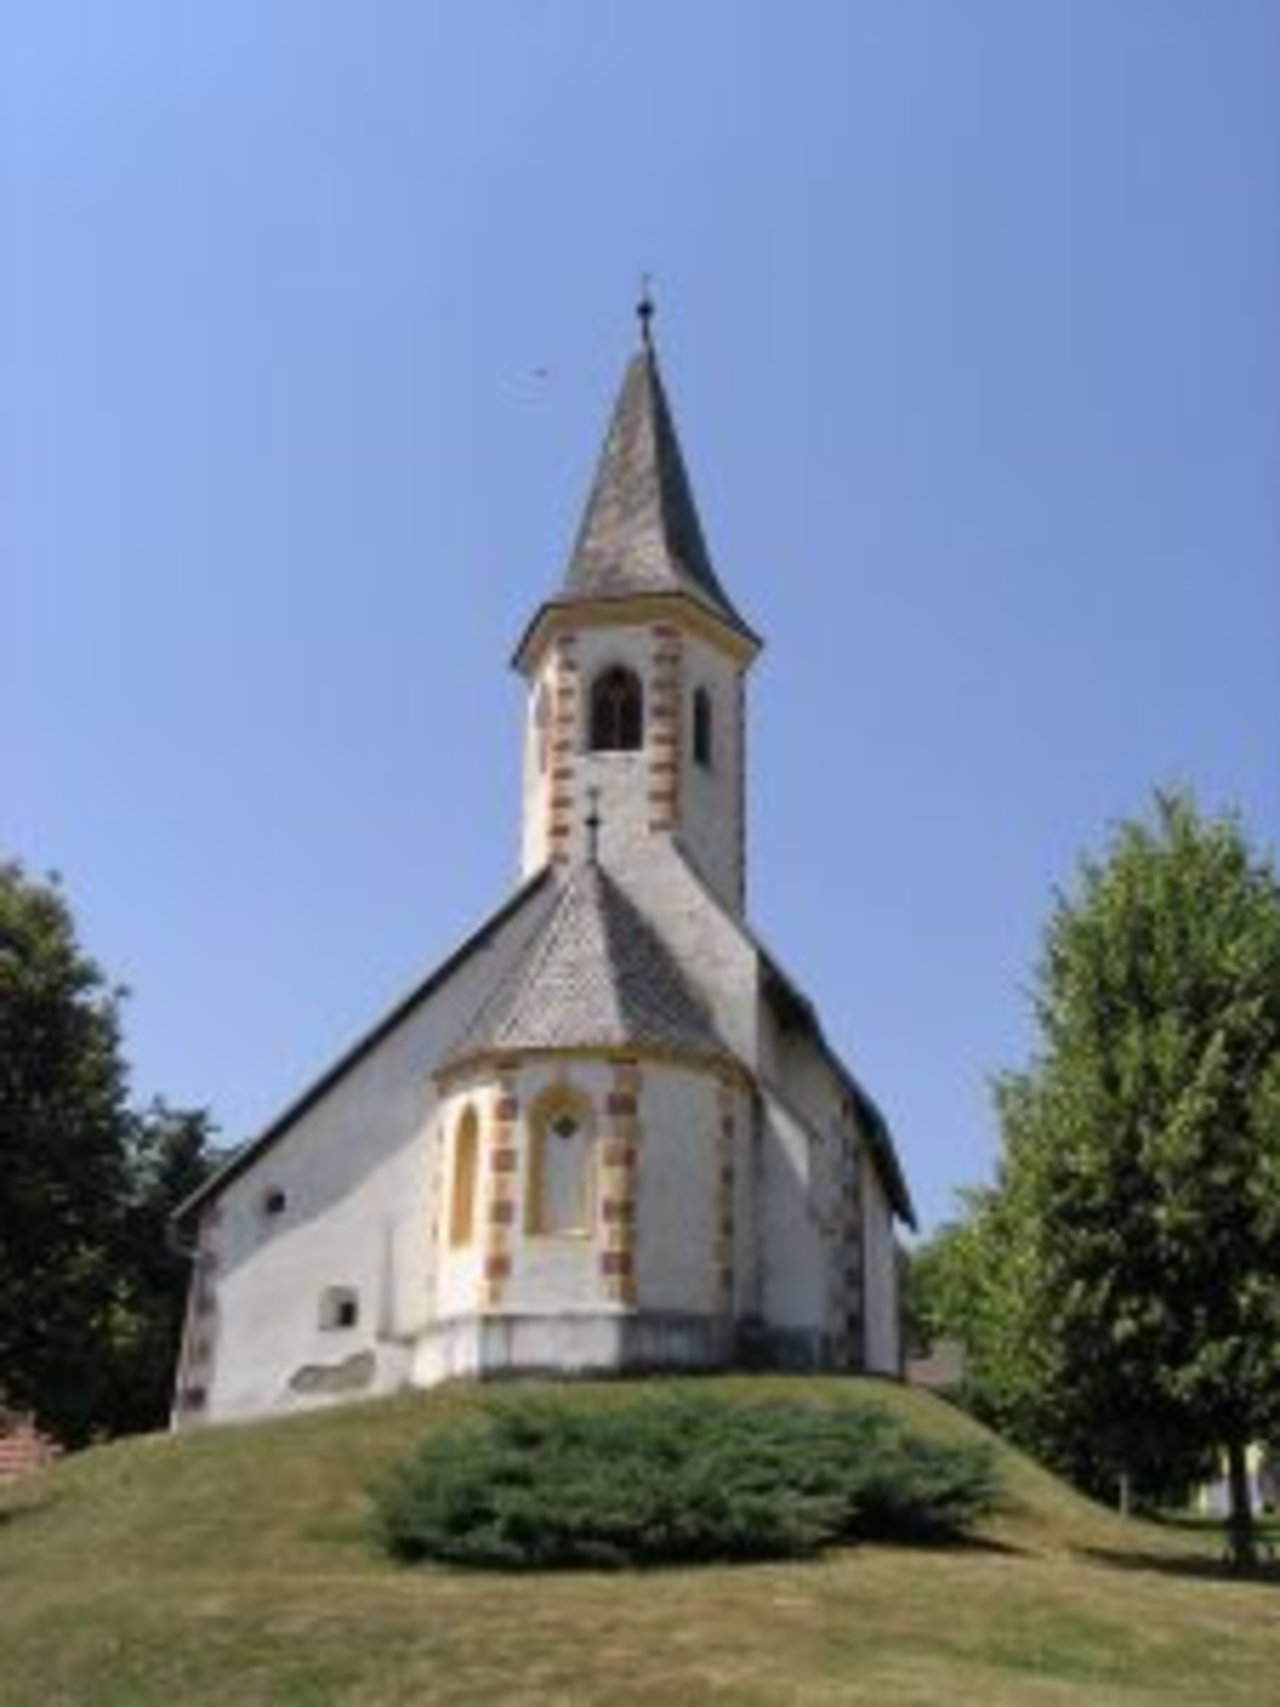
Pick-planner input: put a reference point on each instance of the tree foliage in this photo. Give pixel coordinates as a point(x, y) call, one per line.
point(1120, 1285)
point(90, 1294)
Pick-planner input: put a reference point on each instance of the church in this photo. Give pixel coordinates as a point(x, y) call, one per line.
point(609, 1132)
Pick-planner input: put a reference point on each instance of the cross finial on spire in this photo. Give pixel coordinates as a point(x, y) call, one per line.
point(645, 311)
point(593, 825)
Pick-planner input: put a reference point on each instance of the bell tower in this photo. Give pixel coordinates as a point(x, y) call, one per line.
point(636, 667)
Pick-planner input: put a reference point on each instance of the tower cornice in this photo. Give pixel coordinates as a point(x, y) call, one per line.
point(629, 610)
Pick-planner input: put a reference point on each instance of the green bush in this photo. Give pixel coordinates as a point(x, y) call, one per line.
point(540, 1482)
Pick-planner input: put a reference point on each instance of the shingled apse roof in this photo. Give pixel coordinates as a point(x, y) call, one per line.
point(596, 975)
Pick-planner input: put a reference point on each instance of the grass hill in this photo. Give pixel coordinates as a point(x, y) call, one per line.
point(232, 1567)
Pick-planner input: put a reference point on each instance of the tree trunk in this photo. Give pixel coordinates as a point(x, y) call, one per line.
point(1240, 1535)
point(1126, 1494)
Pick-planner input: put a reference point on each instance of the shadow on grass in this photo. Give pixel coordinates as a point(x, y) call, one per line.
point(952, 1545)
point(1206, 1567)
point(924, 1542)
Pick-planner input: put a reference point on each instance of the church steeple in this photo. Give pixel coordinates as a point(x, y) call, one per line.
point(636, 667)
point(640, 531)
point(640, 534)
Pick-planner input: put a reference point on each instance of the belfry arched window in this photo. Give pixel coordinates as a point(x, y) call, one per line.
point(617, 711)
point(466, 1170)
point(702, 728)
point(561, 1178)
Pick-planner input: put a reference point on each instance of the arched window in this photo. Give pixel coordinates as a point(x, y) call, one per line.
point(466, 1168)
point(617, 711)
point(542, 728)
point(561, 1187)
point(702, 728)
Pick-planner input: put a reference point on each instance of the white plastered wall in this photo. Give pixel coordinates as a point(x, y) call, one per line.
point(539, 763)
point(356, 1169)
point(677, 1190)
point(792, 1270)
point(710, 818)
point(881, 1310)
point(809, 1145)
point(712, 796)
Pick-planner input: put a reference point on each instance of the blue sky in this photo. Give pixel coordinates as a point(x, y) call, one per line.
point(971, 319)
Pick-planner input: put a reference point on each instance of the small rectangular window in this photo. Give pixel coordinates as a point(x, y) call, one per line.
point(339, 1308)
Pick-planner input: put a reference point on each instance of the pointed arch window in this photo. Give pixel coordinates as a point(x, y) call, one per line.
point(466, 1171)
point(702, 728)
point(617, 711)
point(560, 1197)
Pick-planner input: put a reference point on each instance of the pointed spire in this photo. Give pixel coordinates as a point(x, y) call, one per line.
point(640, 532)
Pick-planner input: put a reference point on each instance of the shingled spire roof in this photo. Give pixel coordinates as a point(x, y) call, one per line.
point(597, 975)
point(640, 532)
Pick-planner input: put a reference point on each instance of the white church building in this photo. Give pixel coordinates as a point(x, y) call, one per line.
point(609, 1132)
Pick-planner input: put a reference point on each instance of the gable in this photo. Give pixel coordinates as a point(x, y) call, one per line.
point(527, 908)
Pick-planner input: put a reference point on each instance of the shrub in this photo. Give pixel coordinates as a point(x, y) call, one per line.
point(539, 1483)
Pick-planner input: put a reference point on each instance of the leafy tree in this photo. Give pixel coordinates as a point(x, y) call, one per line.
point(1124, 1274)
point(170, 1155)
point(87, 1323)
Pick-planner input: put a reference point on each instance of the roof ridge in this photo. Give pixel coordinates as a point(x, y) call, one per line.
point(598, 973)
point(631, 916)
point(510, 991)
point(249, 1151)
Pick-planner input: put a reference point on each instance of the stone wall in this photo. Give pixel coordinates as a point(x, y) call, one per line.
point(23, 1448)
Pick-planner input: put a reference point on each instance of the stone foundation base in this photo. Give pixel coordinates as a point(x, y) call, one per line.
point(510, 1344)
point(498, 1344)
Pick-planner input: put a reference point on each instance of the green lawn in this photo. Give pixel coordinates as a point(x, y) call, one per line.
point(232, 1567)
